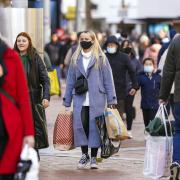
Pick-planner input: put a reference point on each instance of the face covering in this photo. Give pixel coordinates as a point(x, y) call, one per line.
point(86, 44)
point(148, 69)
point(127, 50)
point(111, 50)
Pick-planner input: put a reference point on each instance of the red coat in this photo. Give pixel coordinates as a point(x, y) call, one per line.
point(18, 121)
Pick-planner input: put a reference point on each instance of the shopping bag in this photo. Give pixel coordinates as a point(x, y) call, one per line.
point(28, 166)
point(108, 146)
point(63, 138)
point(115, 126)
point(54, 83)
point(158, 154)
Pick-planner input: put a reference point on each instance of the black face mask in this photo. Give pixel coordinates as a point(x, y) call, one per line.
point(127, 50)
point(86, 44)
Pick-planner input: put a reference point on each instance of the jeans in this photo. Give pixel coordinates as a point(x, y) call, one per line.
point(176, 139)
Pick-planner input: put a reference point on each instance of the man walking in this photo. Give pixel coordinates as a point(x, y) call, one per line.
point(171, 73)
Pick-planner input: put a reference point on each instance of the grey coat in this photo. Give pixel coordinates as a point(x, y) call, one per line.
point(101, 92)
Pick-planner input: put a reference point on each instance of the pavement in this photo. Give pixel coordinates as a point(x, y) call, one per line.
point(62, 165)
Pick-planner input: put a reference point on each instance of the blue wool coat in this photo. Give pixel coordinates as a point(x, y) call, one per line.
point(149, 90)
point(101, 92)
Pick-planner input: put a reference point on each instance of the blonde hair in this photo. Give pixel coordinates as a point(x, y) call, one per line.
point(96, 50)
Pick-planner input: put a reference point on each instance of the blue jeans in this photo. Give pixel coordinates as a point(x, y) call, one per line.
point(176, 139)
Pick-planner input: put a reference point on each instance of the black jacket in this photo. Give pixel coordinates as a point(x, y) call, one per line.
point(54, 52)
point(120, 65)
point(171, 71)
point(38, 80)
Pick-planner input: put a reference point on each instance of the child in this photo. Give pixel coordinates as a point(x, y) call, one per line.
point(149, 82)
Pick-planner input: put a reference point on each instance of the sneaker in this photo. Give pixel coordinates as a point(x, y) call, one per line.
point(94, 163)
point(130, 134)
point(85, 159)
point(175, 171)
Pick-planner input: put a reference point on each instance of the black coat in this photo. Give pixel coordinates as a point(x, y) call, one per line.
point(120, 65)
point(39, 84)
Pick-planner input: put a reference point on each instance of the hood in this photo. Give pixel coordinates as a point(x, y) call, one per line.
point(112, 39)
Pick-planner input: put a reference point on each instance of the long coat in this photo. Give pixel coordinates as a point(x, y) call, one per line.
point(38, 82)
point(18, 121)
point(101, 92)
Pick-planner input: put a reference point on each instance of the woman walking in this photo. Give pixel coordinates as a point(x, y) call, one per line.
point(16, 123)
point(90, 65)
point(38, 83)
point(127, 48)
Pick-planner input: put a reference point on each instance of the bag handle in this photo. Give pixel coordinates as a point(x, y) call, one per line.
point(164, 113)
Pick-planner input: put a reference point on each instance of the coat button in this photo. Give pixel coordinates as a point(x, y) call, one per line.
point(64, 99)
point(114, 97)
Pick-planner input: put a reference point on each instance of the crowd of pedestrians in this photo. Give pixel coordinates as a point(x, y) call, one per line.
point(112, 70)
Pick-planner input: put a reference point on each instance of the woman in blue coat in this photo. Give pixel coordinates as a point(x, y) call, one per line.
point(90, 62)
point(149, 82)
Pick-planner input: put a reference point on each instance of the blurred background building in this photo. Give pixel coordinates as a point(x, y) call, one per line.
point(16, 20)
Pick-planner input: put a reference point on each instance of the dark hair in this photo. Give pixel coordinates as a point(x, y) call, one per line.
point(133, 53)
point(149, 59)
point(31, 50)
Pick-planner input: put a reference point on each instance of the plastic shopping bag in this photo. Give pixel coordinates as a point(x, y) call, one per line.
point(115, 125)
point(158, 152)
point(28, 166)
point(108, 146)
point(54, 83)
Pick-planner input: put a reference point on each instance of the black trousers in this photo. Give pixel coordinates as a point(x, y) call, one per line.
point(6, 177)
point(129, 111)
point(148, 115)
point(85, 123)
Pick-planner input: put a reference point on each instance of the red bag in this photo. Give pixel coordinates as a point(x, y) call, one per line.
point(63, 139)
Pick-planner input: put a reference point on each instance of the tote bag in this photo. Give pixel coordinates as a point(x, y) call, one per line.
point(158, 154)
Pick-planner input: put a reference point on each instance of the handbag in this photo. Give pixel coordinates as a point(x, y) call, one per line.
point(156, 127)
point(81, 85)
point(115, 126)
point(63, 138)
point(54, 83)
point(108, 147)
point(28, 165)
point(41, 135)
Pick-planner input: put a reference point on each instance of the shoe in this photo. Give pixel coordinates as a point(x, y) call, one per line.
point(175, 171)
point(94, 164)
point(130, 134)
point(85, 159)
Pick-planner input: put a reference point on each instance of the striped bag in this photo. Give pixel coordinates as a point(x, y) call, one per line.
point(63, 131)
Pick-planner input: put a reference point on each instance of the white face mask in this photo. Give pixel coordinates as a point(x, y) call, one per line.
point(148, 69)
point(111, 50)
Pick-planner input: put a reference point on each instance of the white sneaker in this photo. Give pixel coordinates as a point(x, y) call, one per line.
point(130, 134)
point(94, 164)
point(85, 159)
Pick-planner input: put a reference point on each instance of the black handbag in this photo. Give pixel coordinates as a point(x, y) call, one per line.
point(107, 146)
point(81, 85)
